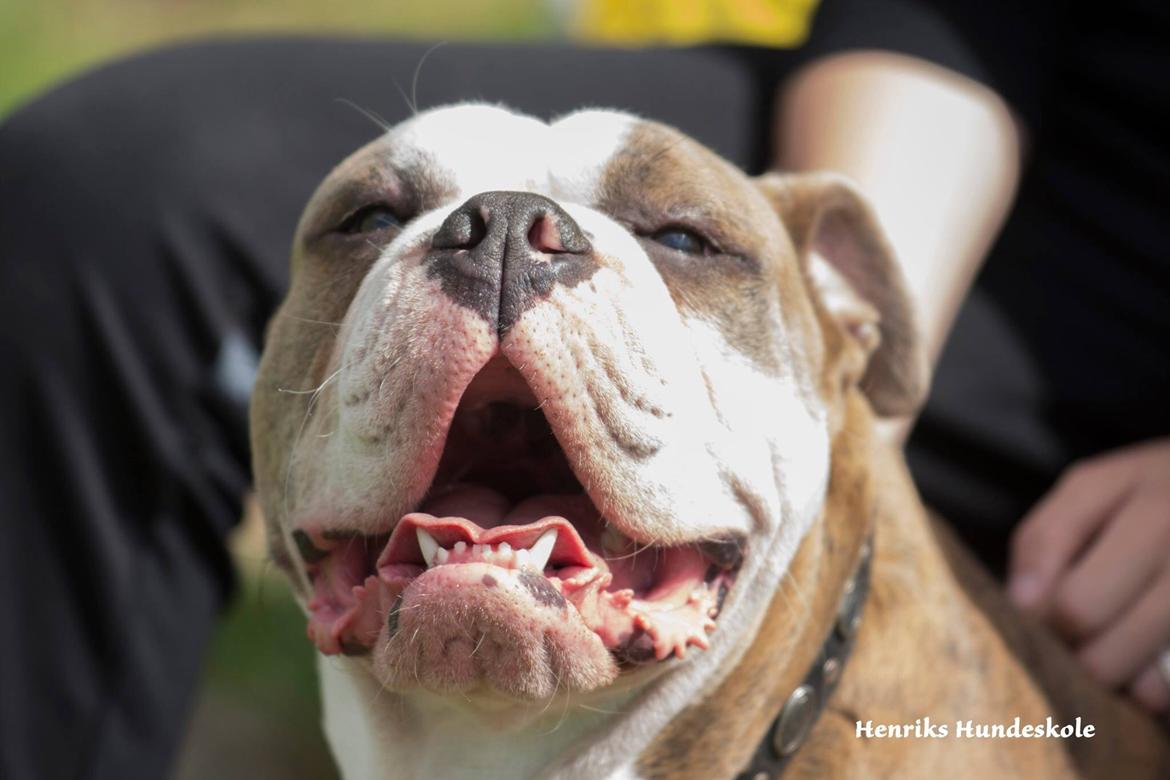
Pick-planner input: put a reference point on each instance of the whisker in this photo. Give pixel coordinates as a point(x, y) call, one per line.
point(598, 709)
point(369, 114)
point(418, 71)
point(314, 391)
point(312, 321)
point(302, 574)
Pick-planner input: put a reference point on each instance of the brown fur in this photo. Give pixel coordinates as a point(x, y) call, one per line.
point(925, 648)
point(928, 645)
point(662, 178)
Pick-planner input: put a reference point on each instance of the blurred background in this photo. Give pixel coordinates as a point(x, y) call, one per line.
point(45, 41)
point(257, 711)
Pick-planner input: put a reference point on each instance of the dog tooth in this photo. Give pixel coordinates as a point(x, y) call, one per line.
point(428, 545)
point(615, 542)
point(542, 550)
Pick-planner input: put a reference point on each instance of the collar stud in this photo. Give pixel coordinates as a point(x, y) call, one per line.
point(803, 706)
point(795, 720)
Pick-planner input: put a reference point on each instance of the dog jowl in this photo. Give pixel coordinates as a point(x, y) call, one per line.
point(548, 406)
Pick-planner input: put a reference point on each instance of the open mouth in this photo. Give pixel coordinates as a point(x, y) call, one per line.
point(505, 509)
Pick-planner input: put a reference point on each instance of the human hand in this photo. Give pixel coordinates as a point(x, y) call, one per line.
point(1092, 559)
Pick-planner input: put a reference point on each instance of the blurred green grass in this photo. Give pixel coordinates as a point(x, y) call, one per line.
point(45, 41)
point(257, 712)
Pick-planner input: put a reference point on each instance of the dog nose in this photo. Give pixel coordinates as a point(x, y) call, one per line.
point(500, 252)
point(525, 219)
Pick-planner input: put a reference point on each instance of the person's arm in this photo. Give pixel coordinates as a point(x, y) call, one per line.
point(939, 156)
point(937, 153)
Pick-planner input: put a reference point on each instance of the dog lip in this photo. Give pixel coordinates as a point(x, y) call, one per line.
point(727, 553)
point(403, 546)
point(354, 592)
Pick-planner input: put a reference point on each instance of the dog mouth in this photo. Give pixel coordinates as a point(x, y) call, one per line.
point(506, 510)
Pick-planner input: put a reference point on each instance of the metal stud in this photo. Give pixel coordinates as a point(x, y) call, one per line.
point(849, 608)
point(831, 670)
point(795, 721)
point(849, 613)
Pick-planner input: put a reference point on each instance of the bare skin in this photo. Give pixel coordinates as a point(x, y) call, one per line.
point(939, 161)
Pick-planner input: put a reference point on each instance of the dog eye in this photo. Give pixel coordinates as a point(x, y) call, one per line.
point(683, 240)
point(370, 219)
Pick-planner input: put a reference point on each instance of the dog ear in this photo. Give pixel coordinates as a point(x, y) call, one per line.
point(848, 261)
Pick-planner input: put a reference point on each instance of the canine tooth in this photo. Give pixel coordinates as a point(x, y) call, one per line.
point(460, 547)
point(428, 545)
point(614, 541)
point(543, 548)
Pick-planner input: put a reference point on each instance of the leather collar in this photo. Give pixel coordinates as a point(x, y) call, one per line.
point(803, 706)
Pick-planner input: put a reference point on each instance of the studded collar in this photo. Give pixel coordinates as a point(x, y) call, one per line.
point(803, 706)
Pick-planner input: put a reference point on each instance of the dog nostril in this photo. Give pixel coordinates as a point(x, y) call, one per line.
point(477, 230)
point(545, 235)
point(464, 229)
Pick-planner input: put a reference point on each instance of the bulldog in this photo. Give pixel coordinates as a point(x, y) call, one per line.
point(565, 437)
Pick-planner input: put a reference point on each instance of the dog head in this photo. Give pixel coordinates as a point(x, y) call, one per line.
point(549, 405)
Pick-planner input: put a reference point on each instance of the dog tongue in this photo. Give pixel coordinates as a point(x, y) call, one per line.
point(484, 506)
point(487, 509)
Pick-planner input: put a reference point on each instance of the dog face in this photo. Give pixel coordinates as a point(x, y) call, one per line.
point(551, 404)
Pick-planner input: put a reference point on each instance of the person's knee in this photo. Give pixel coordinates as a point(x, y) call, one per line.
point(84, 201)
point(118, 139)
point(76, 154)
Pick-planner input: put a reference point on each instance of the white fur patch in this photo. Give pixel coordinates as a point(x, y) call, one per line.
point(479, 147)
point(476, 147)
point(585, 142)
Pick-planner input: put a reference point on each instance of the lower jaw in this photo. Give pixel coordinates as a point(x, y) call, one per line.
point(474, 627)
point(471, 628)
point(643, 603)
point(676, 615)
